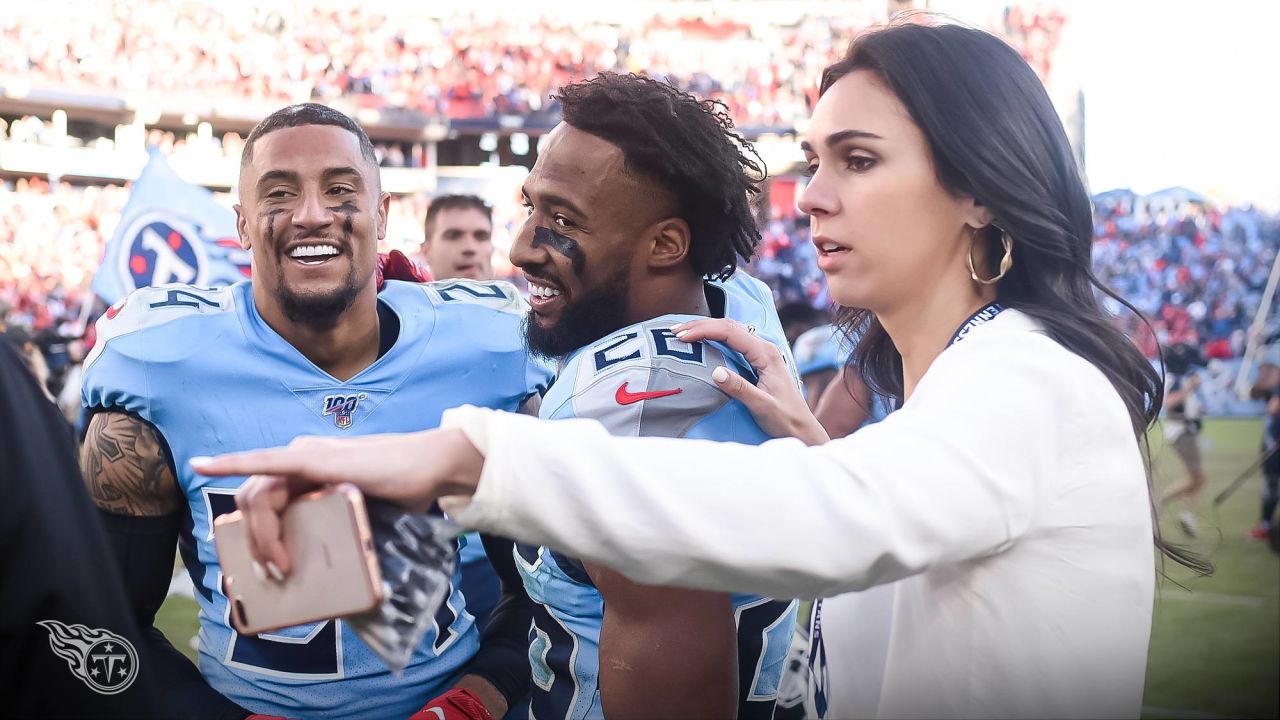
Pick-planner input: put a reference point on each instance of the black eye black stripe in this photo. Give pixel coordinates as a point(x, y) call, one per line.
point(562, 244)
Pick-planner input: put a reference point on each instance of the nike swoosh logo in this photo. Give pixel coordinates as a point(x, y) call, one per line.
point(625, 397)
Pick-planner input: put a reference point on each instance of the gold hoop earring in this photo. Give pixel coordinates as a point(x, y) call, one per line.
point(1006, 262)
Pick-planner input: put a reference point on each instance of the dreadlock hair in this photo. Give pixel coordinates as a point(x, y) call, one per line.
point(684, 144)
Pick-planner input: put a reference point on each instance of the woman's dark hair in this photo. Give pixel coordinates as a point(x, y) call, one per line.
point(684, 144)
point(994, 136)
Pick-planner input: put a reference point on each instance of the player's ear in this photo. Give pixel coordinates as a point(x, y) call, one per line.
point(669, 244)
point(384, 208)
point(242, 228)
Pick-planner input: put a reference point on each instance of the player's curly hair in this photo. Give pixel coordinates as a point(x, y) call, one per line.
point(688, 146)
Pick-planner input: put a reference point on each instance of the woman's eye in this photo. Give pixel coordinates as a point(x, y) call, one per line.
point(860, 163)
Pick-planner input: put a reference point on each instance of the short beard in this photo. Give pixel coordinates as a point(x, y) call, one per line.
point(583, 321)
point(315, 310)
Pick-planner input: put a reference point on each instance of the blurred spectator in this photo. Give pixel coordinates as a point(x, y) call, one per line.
point(1196, 271)
point(51, 242)
point(1034, 34)
point(462, 66)
point(18, 338)
point(788, 262)
point(458, 238)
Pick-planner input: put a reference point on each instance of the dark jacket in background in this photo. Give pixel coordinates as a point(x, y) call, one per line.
point(55, 567)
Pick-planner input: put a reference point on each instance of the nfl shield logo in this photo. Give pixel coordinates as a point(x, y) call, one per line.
point(341, 407)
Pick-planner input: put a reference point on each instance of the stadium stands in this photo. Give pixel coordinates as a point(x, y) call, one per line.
point(1196, 270)
point(458, 67)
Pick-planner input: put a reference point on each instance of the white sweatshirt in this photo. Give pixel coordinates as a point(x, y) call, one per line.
point(1007, 497)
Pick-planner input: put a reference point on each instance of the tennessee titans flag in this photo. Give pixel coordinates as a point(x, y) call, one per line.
point(170, 231)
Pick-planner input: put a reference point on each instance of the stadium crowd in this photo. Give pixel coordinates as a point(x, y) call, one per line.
point(459, 67)
point(1197, 271)
point(447, 66)
point(32, 130)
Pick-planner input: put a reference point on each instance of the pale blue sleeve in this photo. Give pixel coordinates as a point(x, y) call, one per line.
point(731, 422)
point(539, 373)
point(116, 379)
point(145, 327)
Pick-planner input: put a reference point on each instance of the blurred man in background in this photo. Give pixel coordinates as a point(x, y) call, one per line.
point(1267, 388)
point(798, 318)
point(1183, 416)
point(458, 239)
point(458, 243)
point(22, 342)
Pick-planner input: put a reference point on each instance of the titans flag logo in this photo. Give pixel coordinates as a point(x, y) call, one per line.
point(160, 247)
point(103, 660)
point(170, 231)
point(160, 250)
point(341, 407)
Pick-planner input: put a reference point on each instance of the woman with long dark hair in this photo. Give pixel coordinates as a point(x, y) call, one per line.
point(1007, 501)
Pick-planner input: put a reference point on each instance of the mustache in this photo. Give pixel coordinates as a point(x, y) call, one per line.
point(342, 240)
point(347, 210)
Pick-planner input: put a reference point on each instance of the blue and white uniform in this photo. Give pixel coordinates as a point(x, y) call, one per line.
point(642, 380)
point(204, 368)
point(825, 347)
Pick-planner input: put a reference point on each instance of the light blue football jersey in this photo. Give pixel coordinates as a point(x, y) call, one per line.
point(642, 380)
point(820, 348)
point(203, 367)
point(825, 347)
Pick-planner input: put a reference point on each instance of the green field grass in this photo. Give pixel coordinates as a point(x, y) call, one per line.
point(1215, 646)
point(177, 618)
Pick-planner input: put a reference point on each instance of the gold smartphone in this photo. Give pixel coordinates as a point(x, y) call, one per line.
point(335, 569)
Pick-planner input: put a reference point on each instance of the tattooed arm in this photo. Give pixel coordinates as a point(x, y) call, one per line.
point(125, 468)
point(129, 478)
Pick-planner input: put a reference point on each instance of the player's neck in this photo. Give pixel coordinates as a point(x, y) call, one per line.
point(343, 350)
point(681, 294)
point(922, 327)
